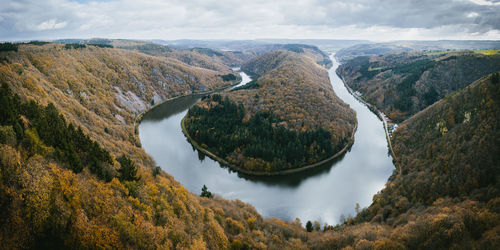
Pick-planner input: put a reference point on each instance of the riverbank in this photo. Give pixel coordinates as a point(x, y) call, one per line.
point(139, 117)
point(276, 173)
point(353, 177)
point(380, 115)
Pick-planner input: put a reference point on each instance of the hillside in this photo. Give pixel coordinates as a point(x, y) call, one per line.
point(448, 193)
point(446, 197)
point(287, 118)
point(313, 52)
point(258, 47)
point(373, 49)
point(74, 100)
point(93, 85)
point(199, 57)
point(402, 84)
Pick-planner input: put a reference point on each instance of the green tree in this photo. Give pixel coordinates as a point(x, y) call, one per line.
point(495, 79)
point(205, 192)
point(309, 226)
point(128, 169)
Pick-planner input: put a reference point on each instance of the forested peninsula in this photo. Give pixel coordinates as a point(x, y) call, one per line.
point(287, 118)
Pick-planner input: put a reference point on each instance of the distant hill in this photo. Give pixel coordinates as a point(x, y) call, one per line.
point(212, 55)
point(316, 54)
point(200, 57)
point(288, 117)
point(371, 49)
point(404, 83)
point(258, 47)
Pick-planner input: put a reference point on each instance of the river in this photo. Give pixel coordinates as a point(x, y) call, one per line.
point(323, 194)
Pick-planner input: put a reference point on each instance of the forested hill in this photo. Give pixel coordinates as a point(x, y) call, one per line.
point(448, 193)
point(311, 51)
point(72, 174)
point(292, 97)
point(101, 88)
point(458, 139)
point(402, 84)
point(373, 49)
point(199, 57)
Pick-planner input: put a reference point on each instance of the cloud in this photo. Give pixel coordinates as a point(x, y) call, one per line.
point(50, 25)
point(174, 19)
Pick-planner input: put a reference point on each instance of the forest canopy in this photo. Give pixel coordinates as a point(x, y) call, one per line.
point(288, 117)
point(403, 84)
point(259, 144)
point(42, 130)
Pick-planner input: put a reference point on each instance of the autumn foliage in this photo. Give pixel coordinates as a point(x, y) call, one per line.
point(403, 84)
point(289, 118)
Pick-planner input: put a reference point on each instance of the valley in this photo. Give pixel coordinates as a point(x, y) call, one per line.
point(365, 162)
point(76, 171)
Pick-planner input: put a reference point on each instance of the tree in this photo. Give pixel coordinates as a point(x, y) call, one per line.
point(309, 226)
point(316, 226)
point(495, 79)
point(205, 192)
point(128, 169)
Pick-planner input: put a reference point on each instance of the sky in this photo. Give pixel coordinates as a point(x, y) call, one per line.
point(376, 20)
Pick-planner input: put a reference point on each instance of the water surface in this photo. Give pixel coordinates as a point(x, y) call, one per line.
point(322, 194)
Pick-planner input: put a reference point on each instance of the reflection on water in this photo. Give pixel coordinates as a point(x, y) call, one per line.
point(322, 194)
point(244, 79)
point(170, 108)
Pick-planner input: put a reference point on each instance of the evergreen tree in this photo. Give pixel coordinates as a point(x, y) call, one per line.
point(128, 169)
point(309, 226)
point(205, 192)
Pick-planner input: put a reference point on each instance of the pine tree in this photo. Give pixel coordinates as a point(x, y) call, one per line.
point(128, 170)
point(205, 192)
point(309, 226)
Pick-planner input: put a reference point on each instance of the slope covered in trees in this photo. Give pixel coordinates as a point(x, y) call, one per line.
point(45, 203)
point(211, 59)
point(373, 49)
point(402, 84)
point(289, 118)
point(311, 51)
point(102, 88)
point(448, 193)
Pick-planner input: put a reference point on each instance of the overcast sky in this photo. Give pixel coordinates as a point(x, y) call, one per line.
point(250, 19)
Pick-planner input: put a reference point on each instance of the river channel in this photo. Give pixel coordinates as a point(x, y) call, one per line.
point(323, 194)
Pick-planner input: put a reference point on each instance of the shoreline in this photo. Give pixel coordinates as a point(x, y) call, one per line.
point(138, 118)
point(276, 173)
point(378, 113)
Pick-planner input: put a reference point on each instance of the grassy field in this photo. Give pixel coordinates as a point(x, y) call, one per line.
point(438, 52)
point(488, 51)
point(479, 51)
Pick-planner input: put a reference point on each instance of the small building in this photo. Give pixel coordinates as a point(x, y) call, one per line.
point(393, 128)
